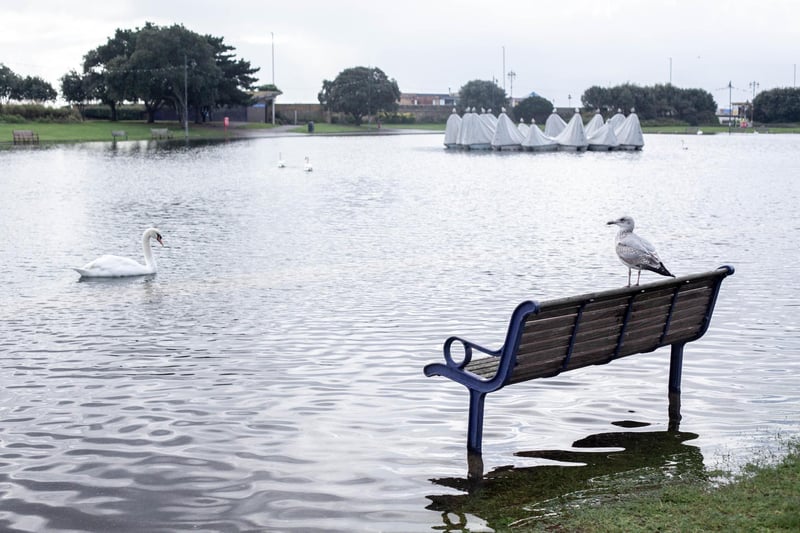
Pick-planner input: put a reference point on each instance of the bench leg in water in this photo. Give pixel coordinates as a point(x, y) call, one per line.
point(475, 431)
point(675, 369)
point(475, 434)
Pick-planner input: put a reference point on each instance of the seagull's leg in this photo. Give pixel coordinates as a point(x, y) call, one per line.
point(639, 275)
point(629, 277)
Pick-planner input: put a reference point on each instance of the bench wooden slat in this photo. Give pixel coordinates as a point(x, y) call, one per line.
point(546, 339)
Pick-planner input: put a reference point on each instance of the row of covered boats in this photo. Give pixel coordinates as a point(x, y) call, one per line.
point(484, 131)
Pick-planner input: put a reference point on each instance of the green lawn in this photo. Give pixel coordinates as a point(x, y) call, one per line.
point(765, 497)
point(100, 130)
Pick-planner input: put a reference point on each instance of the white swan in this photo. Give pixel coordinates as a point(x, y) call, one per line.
point(114, 266)
point(281, 162)
point(307, 166)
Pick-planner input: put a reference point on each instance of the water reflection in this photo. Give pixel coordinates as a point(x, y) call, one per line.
point(269, 378)
point(602, 465)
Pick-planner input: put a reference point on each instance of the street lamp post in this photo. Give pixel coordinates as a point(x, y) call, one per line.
point(754, 86)
point(511, 76)
point(273, 77)
point(185, 97)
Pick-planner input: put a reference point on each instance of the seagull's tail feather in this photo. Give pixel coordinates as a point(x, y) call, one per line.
point(660, 269)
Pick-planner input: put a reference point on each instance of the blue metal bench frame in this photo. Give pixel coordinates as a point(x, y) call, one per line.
point(675, 311)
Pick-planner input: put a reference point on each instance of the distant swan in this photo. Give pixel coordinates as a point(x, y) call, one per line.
point(281, 162)
point(114, 266)
point(307, 166)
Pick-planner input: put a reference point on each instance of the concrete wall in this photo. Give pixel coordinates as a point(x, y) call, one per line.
point(303, 113)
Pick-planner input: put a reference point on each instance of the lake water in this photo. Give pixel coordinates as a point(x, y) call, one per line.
point(269, 377)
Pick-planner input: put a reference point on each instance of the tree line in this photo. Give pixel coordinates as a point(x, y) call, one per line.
point(178, 68)
point(161, 66)
point(27, 89)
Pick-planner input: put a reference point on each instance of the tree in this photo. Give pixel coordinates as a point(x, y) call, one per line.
point(777, 105)
point(359, 92)
point(167, 66)
point(105, 69)
point(694, 106)
point(35, 89)
point(76, 89)
point(482, 94)
point(533, 107)
point(9, 81)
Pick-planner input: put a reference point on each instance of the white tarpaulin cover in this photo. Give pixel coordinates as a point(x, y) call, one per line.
point(474, 132)
point(523, 128)
point(537, 141)
point(554, 125)
point(617, 120)
point(506, 134)
point(451, 129)
point(603, 137)
point(573, 135)
point(593, 125)
point(629, 134)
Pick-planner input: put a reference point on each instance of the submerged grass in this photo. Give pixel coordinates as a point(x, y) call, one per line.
point(763, 497)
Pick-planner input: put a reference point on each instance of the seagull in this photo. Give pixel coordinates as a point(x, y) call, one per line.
point(636, 252)
point(307, 166)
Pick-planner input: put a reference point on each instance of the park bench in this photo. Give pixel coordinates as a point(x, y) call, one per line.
point(119, 133)
point(547, 338)
point(161, 133)
point(25, 137)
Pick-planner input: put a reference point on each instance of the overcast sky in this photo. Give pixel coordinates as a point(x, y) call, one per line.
point(556, 48)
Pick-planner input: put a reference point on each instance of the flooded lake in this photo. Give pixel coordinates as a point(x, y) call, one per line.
point(269, 377)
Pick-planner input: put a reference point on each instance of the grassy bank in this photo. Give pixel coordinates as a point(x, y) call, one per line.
point(100, 130)
point(764, 497)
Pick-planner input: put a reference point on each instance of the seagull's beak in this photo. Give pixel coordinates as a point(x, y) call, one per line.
point(611, 222)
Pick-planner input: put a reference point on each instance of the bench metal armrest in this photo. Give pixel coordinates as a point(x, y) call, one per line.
point(468, 347)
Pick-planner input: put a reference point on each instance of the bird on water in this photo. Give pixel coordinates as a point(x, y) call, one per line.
point(636, 252)
point(114, 266)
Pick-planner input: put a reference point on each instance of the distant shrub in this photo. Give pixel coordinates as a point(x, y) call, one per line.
point(396, 118)
point(40, 113)
point(103, 112)
point(12, 119)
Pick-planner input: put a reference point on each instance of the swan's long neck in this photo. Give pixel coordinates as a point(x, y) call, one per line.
point(149, 260)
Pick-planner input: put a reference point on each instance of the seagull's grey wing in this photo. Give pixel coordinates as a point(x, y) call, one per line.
point(640, 243)
point(637, 252)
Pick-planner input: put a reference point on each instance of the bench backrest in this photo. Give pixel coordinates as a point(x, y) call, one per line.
point(569, 333)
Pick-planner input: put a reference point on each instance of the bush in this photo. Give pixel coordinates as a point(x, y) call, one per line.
point(38, 113)
point(12, 119)
point(103, 112)
point(396, 118)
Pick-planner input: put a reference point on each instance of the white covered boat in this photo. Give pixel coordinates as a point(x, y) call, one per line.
point(617, 120)
point(523, 128)
point(573, 138)
point(554, 125)
point(537, 141)
point(594, 124)
point(451, 130)
point(603, 139)
point(506, 135)
point(629, 134)
point(475, 133)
